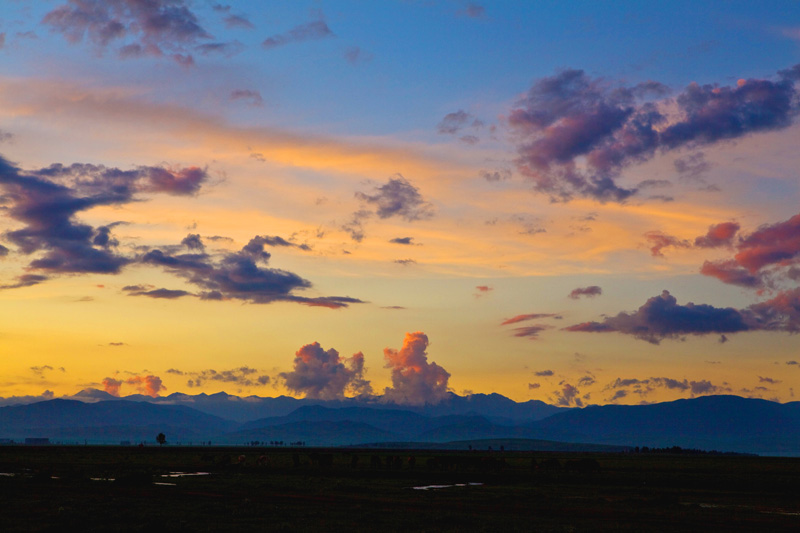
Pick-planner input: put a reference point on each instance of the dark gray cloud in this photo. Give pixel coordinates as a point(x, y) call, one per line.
point(243, 376)
point(47, 201)
point(531, 332)
point(397, 197)
point(568, 396)
point(242, 275)
point(571, 115)
point(247, 95)
point(497, 175)
point(141, 27)
point(323, 375)
point(661, 317)
point(228, 49)
point(543, 373)
point(692, 166)
point(644, 387)
point(317, 29)
point(402, 240)
point(163, 294)
point(589, 292)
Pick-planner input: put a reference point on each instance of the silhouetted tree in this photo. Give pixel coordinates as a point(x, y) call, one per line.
point(161, 439)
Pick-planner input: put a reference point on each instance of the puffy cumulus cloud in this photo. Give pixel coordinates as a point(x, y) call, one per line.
point(398, 197)
point(242, 275)
point(243, 376)
point(575, 134)
point(314, 30)
point(323, 375)
point(661, 317)
point(780, 313)
point(142, 28)
point(112, 386)
point(47, 201)
point(589, 292)
point(415, 381)
point(149, 384)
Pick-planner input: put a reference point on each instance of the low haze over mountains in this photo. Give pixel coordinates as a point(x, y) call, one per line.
point(724, 423)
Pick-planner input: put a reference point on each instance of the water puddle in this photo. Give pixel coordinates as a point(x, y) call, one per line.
point(185, 474)
point(435, 487)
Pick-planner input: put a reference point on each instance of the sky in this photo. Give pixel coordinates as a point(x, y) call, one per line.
point(574, 202)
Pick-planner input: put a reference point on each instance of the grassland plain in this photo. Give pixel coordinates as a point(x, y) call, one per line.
point(87, 488)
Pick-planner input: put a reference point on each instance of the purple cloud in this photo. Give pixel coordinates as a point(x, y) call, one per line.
point(571, 115)
point(304, 32)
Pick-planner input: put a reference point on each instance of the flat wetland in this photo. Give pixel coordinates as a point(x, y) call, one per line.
point(110, 488)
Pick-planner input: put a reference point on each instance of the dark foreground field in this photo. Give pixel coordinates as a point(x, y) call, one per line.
point(115, 489)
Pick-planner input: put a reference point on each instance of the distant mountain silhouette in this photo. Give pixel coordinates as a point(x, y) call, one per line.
point(244, 409)
point(723, 423)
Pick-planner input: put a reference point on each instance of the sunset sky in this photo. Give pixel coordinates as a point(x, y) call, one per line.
point(575, 202)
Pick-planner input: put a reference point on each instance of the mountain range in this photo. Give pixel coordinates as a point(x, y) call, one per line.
point(723, 423)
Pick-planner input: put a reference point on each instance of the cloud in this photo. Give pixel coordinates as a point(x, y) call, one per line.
point(718, 235)
point(28, 399)
point(473, 10)
point(323, 375)
point(589, 292)
point(402, 240)
point(415, 381)
point(531, 332)
point(658, 241)
point(142, 28)
point(247, 95)
point(532, 386)
point(162, 294)
point(692, 167)
point(355, 55)
point(575, 134)
point(242, 275)
point(766, 252)
point(453, 123)
point(543, 373)
point(522, 318)
point(497, 175)
point(238, 22)
point(112, 386)
point(149, 384)
point(768, 380)
point(662, 318)
point(243, 376)
point(568, 396)
point(405, 262)
point(229, 49)
point(398, 197)
point(483, 290)
point(317, 29)
point(644, 387)
point(46, 201)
